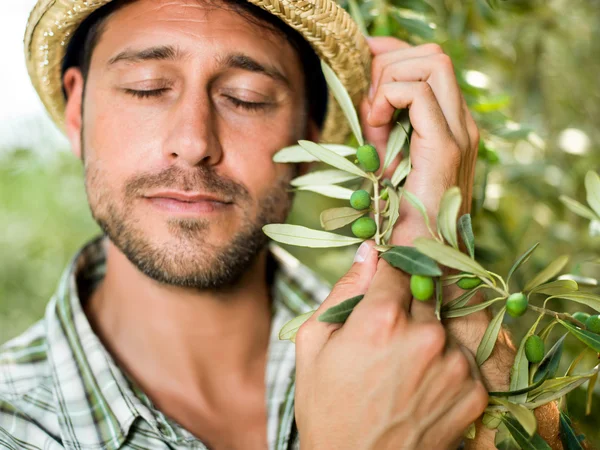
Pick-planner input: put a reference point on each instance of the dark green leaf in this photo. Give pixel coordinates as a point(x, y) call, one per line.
point(412, 261)
point(466, 233)
point(486, 346)
point(549, 365)
point(461, 300)
point(526, 442)
point(414, 26)
point(569, 439)
point(522, 259)
point(590, 339)
point(339, 313)
point(518, 391)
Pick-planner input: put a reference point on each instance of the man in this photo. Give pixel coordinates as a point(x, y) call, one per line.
point(164, 334)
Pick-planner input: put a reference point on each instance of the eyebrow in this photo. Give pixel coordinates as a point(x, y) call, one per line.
point(172, 53)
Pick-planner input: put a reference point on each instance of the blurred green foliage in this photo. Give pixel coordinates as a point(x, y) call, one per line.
point(529, 70)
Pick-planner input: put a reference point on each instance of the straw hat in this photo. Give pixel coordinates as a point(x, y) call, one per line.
point(324, 24)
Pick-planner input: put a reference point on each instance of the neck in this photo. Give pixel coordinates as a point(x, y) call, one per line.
point(179, 343)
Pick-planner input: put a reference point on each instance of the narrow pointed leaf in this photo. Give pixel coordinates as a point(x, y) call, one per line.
point(524, 416)
point(568, 437)
point(466, 233)
point(578, 208)
point(465, 311)
point(343, 98)
point(289, 330)
point(401, 171)
point(590, 394)
point(394, 210)
point(296, 153)
point(411, 261)
point(550, 271)
point(584, 281)
point(520, 435)
point(448, 215)
point(449, 256)
point(306, 237)
point(522, 259)
point(592, 187)
point(590, 339)
point(394, 145)
point(491, 420)
point(332, 176)
point(555, 388)
point(339, 313)
point(556, 287)
point(334, 218)
point(414, 200)
point(585, 298)
point(525, 390)
point(486, 346)
point(461, 300)
point(549, 365)
point(331, 158)
point(519, 373)
point(470, 432)
point(331, 191)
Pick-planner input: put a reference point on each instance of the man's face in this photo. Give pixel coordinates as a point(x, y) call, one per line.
point(180, 176)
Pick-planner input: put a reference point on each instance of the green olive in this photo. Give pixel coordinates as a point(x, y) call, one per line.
point(368, 158)
point(384, 194)
point(421, 287)
point(360, 199)
point(534, 349)
point(516, 304)
point(364, 227)
point(468, 282)
point(593, 324)
point(581, 316)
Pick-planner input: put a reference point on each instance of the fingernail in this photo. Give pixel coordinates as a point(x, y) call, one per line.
point(362, 252)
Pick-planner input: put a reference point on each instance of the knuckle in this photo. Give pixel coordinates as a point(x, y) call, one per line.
point(458, 366)
point(433, 48)
point(432, 338)
point(425, 89)
point(384, 317)
point(303, 334)
point(444, 61)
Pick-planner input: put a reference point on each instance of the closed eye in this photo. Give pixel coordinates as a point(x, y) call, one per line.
point(146, 94)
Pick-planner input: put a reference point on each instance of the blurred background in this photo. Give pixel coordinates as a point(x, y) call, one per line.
point(529, 70)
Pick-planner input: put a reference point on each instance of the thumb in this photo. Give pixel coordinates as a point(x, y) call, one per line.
point(355, 282)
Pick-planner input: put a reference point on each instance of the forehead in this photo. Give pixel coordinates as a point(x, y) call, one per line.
point(214, 24)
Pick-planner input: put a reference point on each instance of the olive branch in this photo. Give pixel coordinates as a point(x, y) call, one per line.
point(374, 204)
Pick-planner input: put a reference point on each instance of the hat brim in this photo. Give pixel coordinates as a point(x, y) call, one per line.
point(326, 26)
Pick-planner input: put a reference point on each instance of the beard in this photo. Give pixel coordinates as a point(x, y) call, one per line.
point(189, 259)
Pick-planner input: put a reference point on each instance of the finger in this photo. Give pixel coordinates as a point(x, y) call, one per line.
point(436, 70)
point(313, 334)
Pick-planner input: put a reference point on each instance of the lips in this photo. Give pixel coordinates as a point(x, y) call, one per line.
point(186, 202)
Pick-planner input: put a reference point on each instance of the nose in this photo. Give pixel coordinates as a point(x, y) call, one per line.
point(193, 135)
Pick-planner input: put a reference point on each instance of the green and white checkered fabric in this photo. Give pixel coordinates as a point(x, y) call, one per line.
point(61, 389)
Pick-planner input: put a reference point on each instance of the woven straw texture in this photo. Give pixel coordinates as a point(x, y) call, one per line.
point(323, 23)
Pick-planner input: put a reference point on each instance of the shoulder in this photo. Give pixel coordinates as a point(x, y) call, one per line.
point(28, 416)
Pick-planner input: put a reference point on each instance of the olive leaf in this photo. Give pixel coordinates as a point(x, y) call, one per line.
point(524, 416)
point(331, 191)
point(401, 171)
point(394, 145)
point(331, 158)
point(414, 200)
point(522, 259)
point(448, 215)
point(525, 390)
point(491, 420)
point(592, 187)
point(439, 298)
point(486, 346)
point(461, 300)
point(585, 281)
point(470, 432)
point(520, 435)
point(556, 287)
point(590, 394)
point(465, 311)
point(295, 153)
point(449, 256)
point(332, 176)
point(585, 298)
point(568, 437)
point(394, 210)
point(550, 271)
point(519, 373)
point(466, 233)
point(343, 98)
point(554, 389)
point(340, 312)
point(334, 218)
point(289, 330)
point(411, 261)
point(549, 365)
point(306, 237)
point(578, 208)
point(504, 440)
point(590, 339)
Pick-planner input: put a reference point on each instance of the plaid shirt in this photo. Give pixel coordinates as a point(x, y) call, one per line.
point(61, 389)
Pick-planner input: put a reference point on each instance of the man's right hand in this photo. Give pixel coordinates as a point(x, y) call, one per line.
point(382, 380)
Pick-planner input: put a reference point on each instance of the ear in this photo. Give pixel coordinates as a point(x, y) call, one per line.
point(73, 83)
point(312, 134)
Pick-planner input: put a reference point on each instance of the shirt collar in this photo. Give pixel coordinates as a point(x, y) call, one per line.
point(97, 403)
